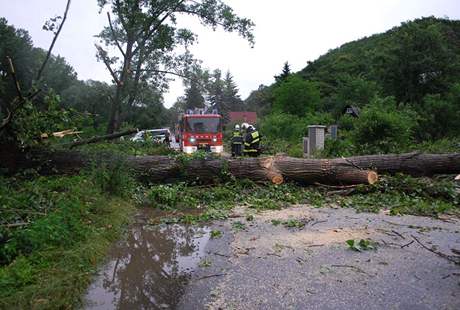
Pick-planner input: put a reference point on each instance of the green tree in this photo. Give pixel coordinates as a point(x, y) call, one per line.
point(351, 90)
point(419, 62)
point(146, 35)
point(260, 100)
point(91, 98)
point(17, 44)
point(215, 90)
point(284, 74)
point(231, 92)
point(382, 127)
point(194, 96)
point(296, 96)
point(439, 116)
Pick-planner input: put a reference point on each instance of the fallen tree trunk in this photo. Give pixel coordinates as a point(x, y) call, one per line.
point(278, 169)
point(415, 164)
point(102, 138)
point(273, 169)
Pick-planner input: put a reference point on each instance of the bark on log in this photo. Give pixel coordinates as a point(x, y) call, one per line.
point(163, 168)
point(353, 170)
point(415, 164)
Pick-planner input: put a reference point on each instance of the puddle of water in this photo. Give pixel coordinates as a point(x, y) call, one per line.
point(149, 269)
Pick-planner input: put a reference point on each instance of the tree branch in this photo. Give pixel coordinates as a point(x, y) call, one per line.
point(103, 55)
point(114, 35)
point(164, 71)
point(11, 109)
point(120, 15)
point(6, 120)
point(54, 41)
point(15, 79)
point(103, 138)
point(155, 28)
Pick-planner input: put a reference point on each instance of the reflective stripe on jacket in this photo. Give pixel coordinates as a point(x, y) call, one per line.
point(237, 138)
point(252, 139)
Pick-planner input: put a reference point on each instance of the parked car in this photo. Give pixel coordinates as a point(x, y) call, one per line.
point(162, 135)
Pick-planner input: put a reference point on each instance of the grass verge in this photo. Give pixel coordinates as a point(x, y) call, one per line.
point(65, 226)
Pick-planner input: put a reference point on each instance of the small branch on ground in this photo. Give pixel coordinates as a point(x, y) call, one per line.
point(407, 244)
point(397, 233)
point(212, 276)
point(21, 224)
point(445, 256)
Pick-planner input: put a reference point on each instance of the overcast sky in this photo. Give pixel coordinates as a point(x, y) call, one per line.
point(291, 30)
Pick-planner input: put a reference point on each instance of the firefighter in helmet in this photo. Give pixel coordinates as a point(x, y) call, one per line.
point(237, 141)
point(251, 141)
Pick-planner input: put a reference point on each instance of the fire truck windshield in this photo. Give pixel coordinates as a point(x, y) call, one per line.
point(203, 124)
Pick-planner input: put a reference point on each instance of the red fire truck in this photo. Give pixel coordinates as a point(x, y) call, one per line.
point(200, 130)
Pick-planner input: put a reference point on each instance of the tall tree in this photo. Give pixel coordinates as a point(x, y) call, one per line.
point(194, 95)
point(284, 74)
point(419, 62)
point(231, 99)
point(146, 36)
point(215, 89)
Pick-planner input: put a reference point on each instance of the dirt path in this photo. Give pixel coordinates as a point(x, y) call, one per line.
point(259, 265)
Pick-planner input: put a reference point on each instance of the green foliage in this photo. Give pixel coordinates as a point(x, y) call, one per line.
point(417, 64)
point(157, 45)
point(283, 126)
point(382, 127)
point(33, 120)
point(284, 74)
point(362, 245)
point(238, 226)
point(113, 178)
point(439, 117)
point(420, 60)
point(216, 234)
point(291, 128)
point(205, 263)
point(293, 223)
point(53, 230)
point(215, 202)
point(296, 96)
point(406, 195)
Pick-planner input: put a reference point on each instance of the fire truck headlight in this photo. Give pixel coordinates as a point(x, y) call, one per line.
point(192, 139)
point(214, 139)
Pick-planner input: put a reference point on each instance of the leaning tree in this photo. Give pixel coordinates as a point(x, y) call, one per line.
point(150, 44)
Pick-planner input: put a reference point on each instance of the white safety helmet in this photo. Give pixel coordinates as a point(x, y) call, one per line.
point(244, 126)
point(237, 127)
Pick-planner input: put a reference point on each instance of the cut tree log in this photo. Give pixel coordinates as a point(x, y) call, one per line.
point(415, 164)
point(277, 169)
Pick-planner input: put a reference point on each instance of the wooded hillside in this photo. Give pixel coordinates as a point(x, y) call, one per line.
point(407, 78)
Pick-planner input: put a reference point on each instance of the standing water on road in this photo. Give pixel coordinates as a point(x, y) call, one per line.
point(149, 269)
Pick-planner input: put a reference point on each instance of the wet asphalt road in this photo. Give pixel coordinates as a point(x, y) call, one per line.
point(264, 266)
point(274, 267)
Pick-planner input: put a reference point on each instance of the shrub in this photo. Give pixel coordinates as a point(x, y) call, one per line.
point(283, 126)
point(382, 128)
point(439, 118)
point(113, 178)
point(296, 96)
